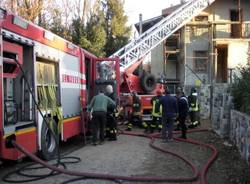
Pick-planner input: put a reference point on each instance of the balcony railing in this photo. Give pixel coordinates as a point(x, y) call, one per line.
point(232, 30)
point(221, 29)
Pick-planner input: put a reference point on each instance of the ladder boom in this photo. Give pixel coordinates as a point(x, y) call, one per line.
point(139, 47)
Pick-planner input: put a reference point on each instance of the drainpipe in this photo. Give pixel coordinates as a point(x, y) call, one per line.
point(240, 17)
point(140, 68)
point(140, 24)
point(213, 62)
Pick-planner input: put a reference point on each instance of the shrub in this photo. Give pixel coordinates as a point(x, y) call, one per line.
point(241, 89)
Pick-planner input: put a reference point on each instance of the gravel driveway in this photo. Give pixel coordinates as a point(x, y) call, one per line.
point(131, 155)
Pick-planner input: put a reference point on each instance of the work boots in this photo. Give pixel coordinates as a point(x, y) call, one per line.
point(128, 129)
point(183, 137)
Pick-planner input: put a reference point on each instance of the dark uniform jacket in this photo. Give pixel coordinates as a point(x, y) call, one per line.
point(183, 106)
point(169, 106)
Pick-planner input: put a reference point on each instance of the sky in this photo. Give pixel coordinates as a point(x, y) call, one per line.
point(148, 8)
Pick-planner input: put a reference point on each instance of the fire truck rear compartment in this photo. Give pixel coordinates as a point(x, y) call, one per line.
point(47, 77)
point(18, 105)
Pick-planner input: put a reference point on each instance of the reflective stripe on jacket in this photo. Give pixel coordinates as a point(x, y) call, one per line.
point(157, 107)
point(194, 107)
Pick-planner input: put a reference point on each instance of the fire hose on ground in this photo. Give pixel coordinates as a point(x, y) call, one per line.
point(134, 178)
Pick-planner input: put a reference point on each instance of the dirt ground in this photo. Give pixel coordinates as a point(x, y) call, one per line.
point(131, 155)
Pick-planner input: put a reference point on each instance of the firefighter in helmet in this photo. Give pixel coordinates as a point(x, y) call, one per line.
point(182, 102)
point(111, 125)
point(179, 90)
point(193, 108)
point(156, 113)
point(135, 117)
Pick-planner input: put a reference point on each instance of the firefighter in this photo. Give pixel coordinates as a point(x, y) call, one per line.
point(193, 108)
point(135, 116)
point(111, 125)
point(183, 112)
point(169, 113)
point(156, 113)
point(179, 90)
point(99, 105)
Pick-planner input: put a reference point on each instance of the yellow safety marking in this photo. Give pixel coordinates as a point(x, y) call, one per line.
point(20, 132)
point(71, 119)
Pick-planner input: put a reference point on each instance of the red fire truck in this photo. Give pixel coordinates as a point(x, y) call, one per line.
point(144, 84)
point(44, 76)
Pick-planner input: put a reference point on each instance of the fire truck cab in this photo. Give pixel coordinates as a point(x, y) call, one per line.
point(44, 78)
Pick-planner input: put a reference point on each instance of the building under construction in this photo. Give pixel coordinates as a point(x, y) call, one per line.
point(206, 50)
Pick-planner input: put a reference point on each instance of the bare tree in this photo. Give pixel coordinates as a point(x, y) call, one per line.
point(28, 9)
point(53, 15)
point(86, 11)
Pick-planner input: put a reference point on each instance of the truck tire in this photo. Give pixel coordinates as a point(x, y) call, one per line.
point(148, 82)
point(48, 141)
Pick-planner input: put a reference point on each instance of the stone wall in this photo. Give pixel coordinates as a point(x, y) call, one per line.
point(240, 133)
point(221, 105)
point(205, 101)
point(230, 123)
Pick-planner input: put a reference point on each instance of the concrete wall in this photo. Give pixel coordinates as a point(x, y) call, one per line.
point(171, 69)
point(157, 63)
point(220, 11)
point(196, 39)
point(181, 63)
point(157, 60)
point(237, 55)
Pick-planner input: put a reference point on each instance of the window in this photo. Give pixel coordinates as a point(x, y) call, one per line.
point(201, 18)
point(200, 61)
point(236, 29)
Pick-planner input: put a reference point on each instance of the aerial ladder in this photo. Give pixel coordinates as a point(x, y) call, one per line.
point(139, 47)
point(132, 54)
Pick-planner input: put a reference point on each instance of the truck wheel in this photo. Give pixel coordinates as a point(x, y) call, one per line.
point(48, 141)
point(148, 82)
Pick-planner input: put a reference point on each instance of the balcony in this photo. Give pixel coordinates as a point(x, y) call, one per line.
point(231, 30)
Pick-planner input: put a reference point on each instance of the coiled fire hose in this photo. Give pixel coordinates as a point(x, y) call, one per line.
point(152, 137)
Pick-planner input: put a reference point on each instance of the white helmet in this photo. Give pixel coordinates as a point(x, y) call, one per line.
point(109, 89)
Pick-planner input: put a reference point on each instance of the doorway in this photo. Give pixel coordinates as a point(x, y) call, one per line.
point(222, 55)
